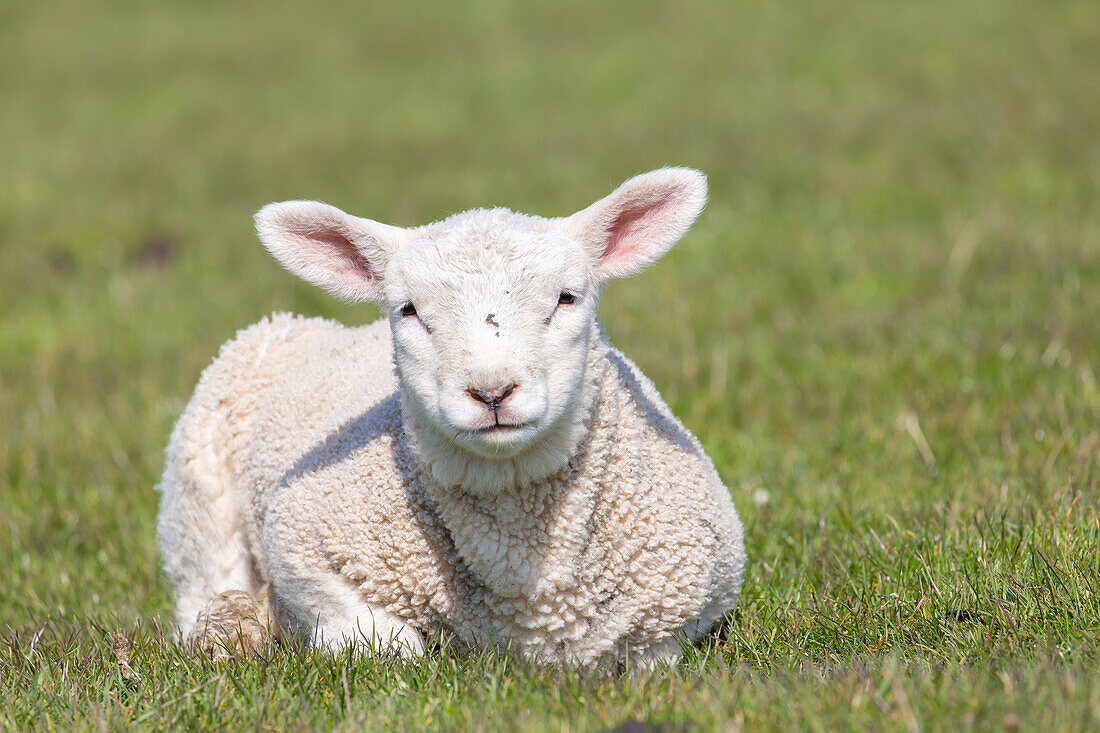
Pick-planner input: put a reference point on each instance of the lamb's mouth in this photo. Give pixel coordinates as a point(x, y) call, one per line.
point(501, 428)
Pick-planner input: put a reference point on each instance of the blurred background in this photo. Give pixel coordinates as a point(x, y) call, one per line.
point(886, 317)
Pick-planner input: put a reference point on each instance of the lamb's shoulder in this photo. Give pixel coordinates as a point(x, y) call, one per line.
point(663, 456)
point(680, 525)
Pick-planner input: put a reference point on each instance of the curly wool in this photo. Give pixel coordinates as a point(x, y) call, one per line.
point(295, 441)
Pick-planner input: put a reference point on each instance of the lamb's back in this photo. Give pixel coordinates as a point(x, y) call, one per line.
point(291, 381)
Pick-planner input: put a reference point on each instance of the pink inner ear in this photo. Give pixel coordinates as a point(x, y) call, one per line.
point(642, 219)
point(621, 231)
point(352, 264)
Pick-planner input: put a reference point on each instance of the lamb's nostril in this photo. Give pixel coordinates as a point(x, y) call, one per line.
point(492, 398)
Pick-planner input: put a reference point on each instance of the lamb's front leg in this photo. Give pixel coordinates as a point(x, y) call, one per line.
point(325, 609)
point(233, 622)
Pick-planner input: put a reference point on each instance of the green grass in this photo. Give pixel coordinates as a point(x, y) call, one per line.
point(884, 329)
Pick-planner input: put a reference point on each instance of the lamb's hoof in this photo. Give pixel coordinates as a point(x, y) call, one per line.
point(233, 623)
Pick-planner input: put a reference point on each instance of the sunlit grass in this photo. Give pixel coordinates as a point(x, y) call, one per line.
point(883, 329)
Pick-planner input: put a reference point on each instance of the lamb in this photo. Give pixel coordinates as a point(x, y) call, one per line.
point(482, 463)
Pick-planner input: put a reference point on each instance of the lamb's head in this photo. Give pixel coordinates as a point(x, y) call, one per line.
point(493, 313)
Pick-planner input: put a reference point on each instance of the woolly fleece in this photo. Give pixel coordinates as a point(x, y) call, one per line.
point(295, 472)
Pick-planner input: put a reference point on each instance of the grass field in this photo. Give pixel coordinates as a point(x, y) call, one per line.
point(885, 329)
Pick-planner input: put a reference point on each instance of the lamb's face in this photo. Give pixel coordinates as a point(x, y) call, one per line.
point(492, 314)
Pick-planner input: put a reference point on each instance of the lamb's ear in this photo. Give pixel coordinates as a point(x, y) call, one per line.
point(319, 243)
point(639, 221)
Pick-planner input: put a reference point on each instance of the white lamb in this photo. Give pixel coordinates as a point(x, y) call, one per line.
point(517, 482)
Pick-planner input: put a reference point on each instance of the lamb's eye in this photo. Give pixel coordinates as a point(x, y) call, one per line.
point(408, 310)
point(566, 298)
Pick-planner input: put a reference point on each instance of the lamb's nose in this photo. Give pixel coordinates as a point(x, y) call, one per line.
point(492, 398)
